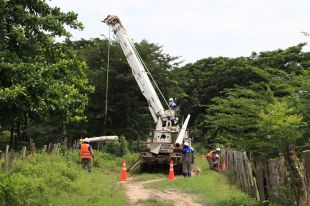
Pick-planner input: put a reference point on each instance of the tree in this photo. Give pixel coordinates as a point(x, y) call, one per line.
point(40, 78)
point(214, 85)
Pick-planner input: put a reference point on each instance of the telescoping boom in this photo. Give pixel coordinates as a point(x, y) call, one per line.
point(137, 67)
point(165, 137)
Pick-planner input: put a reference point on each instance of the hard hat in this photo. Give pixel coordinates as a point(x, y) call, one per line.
point(186, 144)
point(170, 100)
point(86, 140)
point(218, 149)
point(81, 140)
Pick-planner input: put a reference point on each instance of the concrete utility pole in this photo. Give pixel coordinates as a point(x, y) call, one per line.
point(102, 138)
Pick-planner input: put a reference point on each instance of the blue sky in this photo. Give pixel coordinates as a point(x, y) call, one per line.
point(199, 28)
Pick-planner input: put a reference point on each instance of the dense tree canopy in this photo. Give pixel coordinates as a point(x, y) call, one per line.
point(233, 98)
point(50, 90)
point(39, 78)
point(251, 103)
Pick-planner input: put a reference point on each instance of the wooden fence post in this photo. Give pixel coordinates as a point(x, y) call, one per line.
point(50, 148)
point(7, 155)
point(255, 183)
point(65, 143)
point(11, 158)
point(33, 149)
point(259, 175)
point(24, 148)
point(306, 160)
point(44, 148)
point(1, 165)
point(274, 176)
point(55, 147)
point(7, 150)
point(262, 179)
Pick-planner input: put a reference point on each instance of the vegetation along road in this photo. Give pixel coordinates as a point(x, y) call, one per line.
point(58, 179)
point(54, 91)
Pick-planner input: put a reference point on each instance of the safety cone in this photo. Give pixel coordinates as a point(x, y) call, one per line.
point(171, 171)
point(123, 176)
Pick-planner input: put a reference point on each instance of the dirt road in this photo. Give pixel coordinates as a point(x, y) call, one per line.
point(136, 191)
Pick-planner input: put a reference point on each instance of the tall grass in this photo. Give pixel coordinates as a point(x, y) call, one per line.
point(97, 188)
point(58, 179)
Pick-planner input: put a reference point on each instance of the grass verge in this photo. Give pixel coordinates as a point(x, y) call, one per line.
point(58, 179)
point(212, 188)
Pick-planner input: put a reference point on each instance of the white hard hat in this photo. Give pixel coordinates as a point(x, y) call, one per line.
point(218, 149)
point(86, 140)
point(186, 144)
point(170, 100)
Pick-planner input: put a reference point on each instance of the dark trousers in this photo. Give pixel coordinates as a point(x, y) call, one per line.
point(187, 168)
point(212, 164)
point(86, 162)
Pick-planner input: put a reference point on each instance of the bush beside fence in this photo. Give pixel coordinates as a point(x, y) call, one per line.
point(7, 157)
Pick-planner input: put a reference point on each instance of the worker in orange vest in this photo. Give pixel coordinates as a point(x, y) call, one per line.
point(212, 157)
point(86, 154)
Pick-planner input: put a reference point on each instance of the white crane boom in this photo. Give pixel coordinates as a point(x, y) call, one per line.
point(165, 132)
point(137, 68)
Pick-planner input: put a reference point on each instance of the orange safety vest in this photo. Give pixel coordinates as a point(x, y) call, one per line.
point(85, 152)
point(212, 155)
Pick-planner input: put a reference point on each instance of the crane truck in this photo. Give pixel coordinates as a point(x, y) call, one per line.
point(166, 140)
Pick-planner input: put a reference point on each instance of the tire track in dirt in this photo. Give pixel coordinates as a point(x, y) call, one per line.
point(136, 191)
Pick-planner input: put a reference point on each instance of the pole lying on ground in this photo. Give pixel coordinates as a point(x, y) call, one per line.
point(102, 138)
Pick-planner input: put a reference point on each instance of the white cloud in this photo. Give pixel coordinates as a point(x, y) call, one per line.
point(200, 28)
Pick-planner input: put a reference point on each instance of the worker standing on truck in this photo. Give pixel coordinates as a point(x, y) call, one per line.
point(212, 157)
point(86, 154)
point(187, 160)
point(173, 107)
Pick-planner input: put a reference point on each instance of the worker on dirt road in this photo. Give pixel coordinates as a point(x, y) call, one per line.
point(86, 154)
point(187, 160)
point(212, 157)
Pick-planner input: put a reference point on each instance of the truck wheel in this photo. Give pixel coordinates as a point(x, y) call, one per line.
point(143, 167)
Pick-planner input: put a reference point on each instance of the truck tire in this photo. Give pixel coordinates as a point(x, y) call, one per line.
point(143, 167)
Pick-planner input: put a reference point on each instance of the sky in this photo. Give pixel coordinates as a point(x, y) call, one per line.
point(196, 29)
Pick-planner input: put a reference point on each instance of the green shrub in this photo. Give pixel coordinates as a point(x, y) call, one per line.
point(50, 179)
point(28, 180)
point(113, 147)
point(241, 201)
point(16, 189)
point(123, 146)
